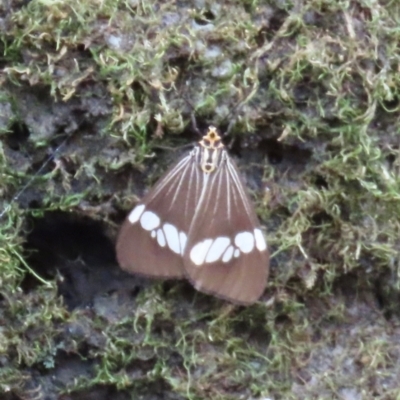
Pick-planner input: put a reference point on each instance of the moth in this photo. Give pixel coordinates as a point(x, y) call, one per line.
point(198, 222)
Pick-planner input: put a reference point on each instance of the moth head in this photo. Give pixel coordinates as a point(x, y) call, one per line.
point(212, 139)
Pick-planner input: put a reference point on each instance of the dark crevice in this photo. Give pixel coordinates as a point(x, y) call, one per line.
point(278, 152)
point(98, 392)
point(254, 331)
point(206, 17)
point(12, 396)
point(75, 251)
point(320, 182)
point(276, 22)
point(387, 295)
point(18, 136)
point(138, 94)
point(321, 218)
point(155, 390)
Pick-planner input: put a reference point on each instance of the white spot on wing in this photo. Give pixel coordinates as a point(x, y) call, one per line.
point(199, 251)
point(153, 234)
point(136, 213)
point(236, 253)
point(217, 249)
point(161, 238)
point(260, 241)
point(171, 234)
point(245, 241)
point(182, 240)
point(149, 221)
point(228, 254)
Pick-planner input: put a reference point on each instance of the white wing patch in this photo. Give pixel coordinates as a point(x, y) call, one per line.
point(212, 250)
point(172, 235)
point(136, 213)
point(260, 241)
point(182, 241)
point(228, 254)
point(199, 251)
point(149, 221)
point(161, 238)
point(217, 248)
point(209, 250)
point(245, 241)
point(167, 234)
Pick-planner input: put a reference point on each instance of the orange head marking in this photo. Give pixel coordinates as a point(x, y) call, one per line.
point(211, 140)
point(211, 146)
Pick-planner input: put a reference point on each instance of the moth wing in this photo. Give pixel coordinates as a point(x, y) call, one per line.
point(152, 239)
point(226, 254)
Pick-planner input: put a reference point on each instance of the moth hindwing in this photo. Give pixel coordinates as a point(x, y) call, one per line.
point(198, 221)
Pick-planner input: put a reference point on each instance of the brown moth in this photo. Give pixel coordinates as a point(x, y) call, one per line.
point(199, 222)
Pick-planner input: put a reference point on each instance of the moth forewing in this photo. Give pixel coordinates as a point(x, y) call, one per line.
point(152, 239)
point(226, 254)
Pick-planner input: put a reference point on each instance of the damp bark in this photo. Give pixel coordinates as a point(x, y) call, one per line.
point(95, 103)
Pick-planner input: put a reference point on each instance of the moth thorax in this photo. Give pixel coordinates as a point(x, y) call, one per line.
point(210, 159)
point(211, 146)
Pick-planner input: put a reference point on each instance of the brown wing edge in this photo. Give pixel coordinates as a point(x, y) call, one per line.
point(252, 280)
point(138, 253)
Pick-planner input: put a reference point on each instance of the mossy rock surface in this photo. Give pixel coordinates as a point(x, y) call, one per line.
point(96, 99)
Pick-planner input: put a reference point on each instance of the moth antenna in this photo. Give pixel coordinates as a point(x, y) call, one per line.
point(237, 109)
point(194, 123)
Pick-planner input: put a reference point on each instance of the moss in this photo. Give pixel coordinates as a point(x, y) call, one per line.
point(94, 97)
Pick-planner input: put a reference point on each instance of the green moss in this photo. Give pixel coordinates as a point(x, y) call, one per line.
point(314, 95)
